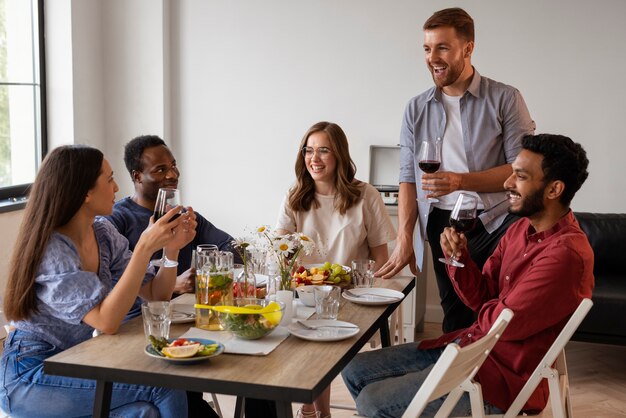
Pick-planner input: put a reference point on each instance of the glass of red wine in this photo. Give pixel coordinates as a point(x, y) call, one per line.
point(462, 219)
point(166, 200)
point(429, 160)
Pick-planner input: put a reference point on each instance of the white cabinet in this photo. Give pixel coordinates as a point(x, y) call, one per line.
point(414, 305)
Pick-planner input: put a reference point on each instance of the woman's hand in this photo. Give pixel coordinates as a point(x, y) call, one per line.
point(160, 233)
point(184, 233)
point(452, 242)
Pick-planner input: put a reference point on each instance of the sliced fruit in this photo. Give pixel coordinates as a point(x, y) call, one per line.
point(183, 351)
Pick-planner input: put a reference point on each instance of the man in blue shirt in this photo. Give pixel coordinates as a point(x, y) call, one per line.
point(152, 166)
point(481, 123)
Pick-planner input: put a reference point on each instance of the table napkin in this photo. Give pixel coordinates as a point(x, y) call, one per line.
point(261, 347)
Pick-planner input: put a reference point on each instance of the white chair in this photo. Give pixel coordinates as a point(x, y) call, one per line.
point(454, 371)
point(554, 368)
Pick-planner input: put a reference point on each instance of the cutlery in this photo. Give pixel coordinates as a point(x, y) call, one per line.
point(307, 326)
point(354, 295)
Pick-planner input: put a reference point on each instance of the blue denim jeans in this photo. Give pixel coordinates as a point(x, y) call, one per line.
point(383, 382)
point(26, 391)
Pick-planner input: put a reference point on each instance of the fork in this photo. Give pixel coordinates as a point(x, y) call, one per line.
point(307, 326)
point(354, 295)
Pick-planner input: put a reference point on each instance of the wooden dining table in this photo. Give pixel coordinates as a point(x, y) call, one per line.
point(295, 371)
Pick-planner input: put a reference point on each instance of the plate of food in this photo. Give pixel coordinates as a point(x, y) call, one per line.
point(182, 314)
point(325, 273)
point(323, 330)
point(373, 295)
point(183, 350)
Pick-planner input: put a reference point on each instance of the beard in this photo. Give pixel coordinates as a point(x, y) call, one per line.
point(454, 72)
point(531, 205)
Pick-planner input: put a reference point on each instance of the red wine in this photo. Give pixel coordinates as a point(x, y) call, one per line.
point(158, 214)
point(429, 166)
point(463, 225)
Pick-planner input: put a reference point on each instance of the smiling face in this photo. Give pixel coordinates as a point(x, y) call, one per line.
point(526, 186)
point(158, 171)
point(101, 197)
point(448, 58)
point(321, 165)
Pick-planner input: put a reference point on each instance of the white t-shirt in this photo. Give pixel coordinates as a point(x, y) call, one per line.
point(453, 154)
point(341, 238)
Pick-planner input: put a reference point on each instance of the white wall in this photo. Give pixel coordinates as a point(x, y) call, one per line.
point(248, 79)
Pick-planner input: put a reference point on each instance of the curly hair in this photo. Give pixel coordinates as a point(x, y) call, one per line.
point(134, 150)
point(302, 195)
point(563, 159)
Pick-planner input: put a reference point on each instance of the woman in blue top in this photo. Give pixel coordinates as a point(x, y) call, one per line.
point(61, 287)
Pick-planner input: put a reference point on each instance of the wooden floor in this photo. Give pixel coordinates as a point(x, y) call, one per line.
point(597, 380)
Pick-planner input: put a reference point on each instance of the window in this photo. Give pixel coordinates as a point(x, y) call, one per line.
point(22, 97)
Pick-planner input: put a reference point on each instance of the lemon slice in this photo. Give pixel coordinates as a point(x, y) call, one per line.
point(183, 351)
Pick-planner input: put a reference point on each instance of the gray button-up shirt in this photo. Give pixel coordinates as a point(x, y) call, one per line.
point(494, 118)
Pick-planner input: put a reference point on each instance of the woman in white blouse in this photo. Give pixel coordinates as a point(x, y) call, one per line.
point(345, 217)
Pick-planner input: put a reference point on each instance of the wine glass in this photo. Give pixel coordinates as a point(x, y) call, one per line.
point(429, 161)
point(462, 219)
point(166, 200)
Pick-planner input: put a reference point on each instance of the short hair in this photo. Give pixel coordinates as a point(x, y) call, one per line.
point(134, 149)
point(563, 159)
point(454, 17)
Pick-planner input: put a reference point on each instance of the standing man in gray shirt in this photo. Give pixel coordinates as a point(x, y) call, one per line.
point(481, 123)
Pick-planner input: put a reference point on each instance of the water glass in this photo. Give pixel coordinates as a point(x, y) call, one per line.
point(327, 301)
point(157, 317)
point(363, 273)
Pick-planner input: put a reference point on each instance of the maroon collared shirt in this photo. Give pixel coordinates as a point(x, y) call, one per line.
point(542, 277)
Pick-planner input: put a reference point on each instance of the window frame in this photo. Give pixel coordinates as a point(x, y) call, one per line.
point(15, 197)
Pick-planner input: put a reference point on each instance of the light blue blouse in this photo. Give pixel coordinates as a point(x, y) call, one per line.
point(65, 293)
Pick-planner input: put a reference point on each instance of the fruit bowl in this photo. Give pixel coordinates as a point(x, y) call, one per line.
point(320, 274)
point(249, 318)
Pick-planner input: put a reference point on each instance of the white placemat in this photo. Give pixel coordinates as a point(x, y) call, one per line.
point(261, 347)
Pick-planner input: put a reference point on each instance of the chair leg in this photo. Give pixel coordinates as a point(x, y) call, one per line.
point(216, 405)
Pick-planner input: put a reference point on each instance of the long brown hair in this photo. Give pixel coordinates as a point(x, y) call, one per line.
point(64, 178)
point(302, 195)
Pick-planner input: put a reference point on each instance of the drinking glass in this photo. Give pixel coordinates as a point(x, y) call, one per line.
point(157, 317)
point(327, 301)
point(429, 160)
point(462, 219)
point(363, 273)
point(166, 200)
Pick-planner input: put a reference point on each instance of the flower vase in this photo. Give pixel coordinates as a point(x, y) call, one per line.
point(245, 286)
point(286, 297)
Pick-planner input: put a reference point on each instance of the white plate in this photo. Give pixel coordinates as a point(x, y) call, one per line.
point(374, 296)
point(323, 334)
point(152, 352)
point(182, 314)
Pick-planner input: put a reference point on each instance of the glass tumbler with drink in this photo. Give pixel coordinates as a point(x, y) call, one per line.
point(462, 219)
point(363, 273)
point(214, 286)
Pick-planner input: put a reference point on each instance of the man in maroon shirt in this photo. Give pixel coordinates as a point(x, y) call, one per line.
point(541, 269)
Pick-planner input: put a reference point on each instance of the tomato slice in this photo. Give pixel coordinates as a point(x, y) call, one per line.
point(179, 342)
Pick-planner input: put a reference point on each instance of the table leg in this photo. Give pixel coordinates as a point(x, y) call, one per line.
point(240, 405)
point(102, 401)
point(283, 409)
point(385, 337)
